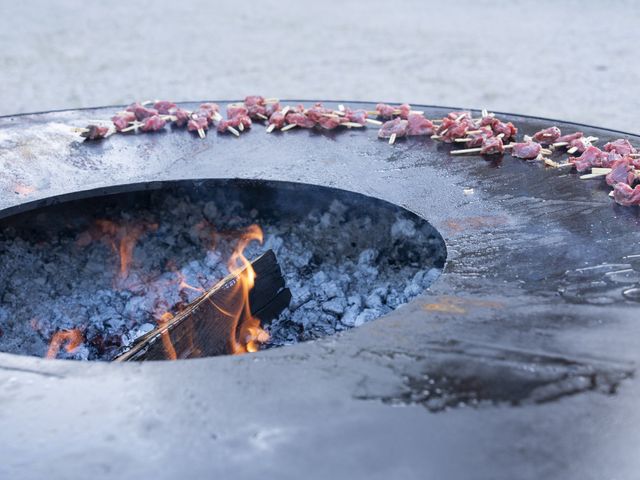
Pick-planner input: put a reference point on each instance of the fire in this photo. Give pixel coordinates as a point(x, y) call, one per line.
point(123, 239)
point(166, 338)
point(249, 333)
point(245, 331)
point(73, 339)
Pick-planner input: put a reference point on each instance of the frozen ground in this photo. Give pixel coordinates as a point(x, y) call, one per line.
point(572, 60)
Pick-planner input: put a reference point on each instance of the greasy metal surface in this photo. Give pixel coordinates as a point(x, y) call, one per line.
point(548, 380)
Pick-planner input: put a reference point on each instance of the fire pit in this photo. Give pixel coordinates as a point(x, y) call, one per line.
point(95, 274)
point(517, 362)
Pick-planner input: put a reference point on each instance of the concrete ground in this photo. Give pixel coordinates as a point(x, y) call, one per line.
point(572, 60)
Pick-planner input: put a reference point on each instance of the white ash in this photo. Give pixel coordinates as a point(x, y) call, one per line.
point(344, 266)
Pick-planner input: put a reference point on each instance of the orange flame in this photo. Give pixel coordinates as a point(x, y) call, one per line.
point(166, 338)
point(249, 333)
point(123, 239)
point(74, 339)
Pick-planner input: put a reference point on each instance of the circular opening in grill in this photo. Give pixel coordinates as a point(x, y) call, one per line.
point(202, 268)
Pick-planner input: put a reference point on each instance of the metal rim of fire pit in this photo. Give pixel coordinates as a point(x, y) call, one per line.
point(493, 331)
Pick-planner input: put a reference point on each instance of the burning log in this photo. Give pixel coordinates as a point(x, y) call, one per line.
point(205, 327)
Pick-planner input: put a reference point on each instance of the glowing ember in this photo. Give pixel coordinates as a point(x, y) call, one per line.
point(72, 338)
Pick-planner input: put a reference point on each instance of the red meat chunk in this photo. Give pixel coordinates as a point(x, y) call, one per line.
point(507, 129)
point(141, 112)
point(405, 111)
point(458, 129)
point(526, 150)
point(398, 126)
point(620, 146)
point(212, 109)
point(547, 136)
point(329, 123)
point(385, 111)
point(277, 119)
point(182, 117)
point(196, 123)
point(271, 108)
point(478, 139)
point(622, 171)
point(580, 144)
point(153, 124)
point(223, 125)
point(253, 100)
point(419, 125)
point(164, 107)
point(236, 110)
point(625, 195)
point(256, 106)
point(300, 119)
point(95, 132)
point(592, 157)
point(460, 115)
point(356, 116)
point(317, 112)
point(568, 138)
point(492, 146)
point(122, 120)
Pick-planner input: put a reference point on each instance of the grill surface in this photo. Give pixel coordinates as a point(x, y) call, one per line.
point(548, 379)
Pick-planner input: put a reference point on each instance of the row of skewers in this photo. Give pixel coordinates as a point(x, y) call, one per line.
point(618, 161)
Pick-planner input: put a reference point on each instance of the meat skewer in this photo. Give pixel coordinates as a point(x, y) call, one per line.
point(393, 129)
point(97, 132)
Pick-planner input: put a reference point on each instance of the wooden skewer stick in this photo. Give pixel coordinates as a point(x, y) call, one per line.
point(634, 155)
point(553, 164)
point(475, 150)
point(572, 150)
point(285, 110)
point(241, 127)
point(466, 150)
point(288, 127)
point(271, 100)
point(201, 133)
point(271, 127)
point(352, 124)
point(230, 129)
point(373, 122)
point(341, 108)
point(595, 174)
point(134, 126)
point(392, 139)
point(261, 116)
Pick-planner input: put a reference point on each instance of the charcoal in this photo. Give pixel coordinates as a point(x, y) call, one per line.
point(343, 267)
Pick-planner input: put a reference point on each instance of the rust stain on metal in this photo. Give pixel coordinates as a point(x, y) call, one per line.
point(459, 305)
point(475, 223)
